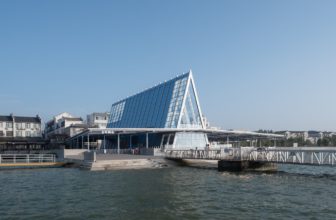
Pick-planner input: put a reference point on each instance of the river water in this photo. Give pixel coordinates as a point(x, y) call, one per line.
point(295, 192)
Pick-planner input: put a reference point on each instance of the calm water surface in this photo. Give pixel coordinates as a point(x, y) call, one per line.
point(172, 193)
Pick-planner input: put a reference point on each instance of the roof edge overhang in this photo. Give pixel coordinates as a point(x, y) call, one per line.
point(126, 131)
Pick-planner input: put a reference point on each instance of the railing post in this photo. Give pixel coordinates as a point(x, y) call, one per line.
point(118, 143)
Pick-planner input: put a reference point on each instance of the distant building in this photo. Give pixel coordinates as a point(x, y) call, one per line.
point(63, 126)
point(98, 120)
point(294, 134)
point(311, 136)
point(327, 134)
point(19, 126)
point(314, 136)
point(20, 133)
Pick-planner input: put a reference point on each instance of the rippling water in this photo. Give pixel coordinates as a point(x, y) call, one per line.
point(172, 193)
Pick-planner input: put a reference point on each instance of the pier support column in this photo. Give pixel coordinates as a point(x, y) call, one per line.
point(118, 143)
point(82, 142)
point(104, 143)
point(237, 166)
point(146, 140)
point(130, 142)
point(232, 166)
point(88, 140)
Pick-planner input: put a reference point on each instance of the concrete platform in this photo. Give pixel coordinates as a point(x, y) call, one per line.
point(123, 162)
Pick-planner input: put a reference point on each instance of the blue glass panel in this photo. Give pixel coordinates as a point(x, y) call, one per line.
point(134, 111)
point(147, 107)
point(141, 111)
point(167, 97)
point(128, 108)
point(151, 109)
point(165, 91)
point(157, 106)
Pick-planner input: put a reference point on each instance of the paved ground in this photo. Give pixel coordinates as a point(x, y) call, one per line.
point(123, 157)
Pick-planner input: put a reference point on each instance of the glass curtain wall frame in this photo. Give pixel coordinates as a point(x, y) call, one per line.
point(150, 108)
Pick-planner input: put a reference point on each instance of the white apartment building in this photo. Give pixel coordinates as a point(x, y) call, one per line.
point(20, 126)
point(98, 120)
point(64, 124)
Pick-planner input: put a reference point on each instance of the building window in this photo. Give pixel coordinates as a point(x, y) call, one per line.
point(19, 125)
point(9, 133)
point(117, 112)
point(0, 124)
point(28, 134)
point(1, 133)
point(27, 125)
point(9, 125)
point(19, 133)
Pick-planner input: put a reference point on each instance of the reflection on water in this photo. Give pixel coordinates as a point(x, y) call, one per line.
point(175, 193)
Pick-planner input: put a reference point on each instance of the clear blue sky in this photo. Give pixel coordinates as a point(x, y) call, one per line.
point(257, 64)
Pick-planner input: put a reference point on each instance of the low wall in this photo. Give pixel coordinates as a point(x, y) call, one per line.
point(73, 152)
point(90, 156)
point(151, 151)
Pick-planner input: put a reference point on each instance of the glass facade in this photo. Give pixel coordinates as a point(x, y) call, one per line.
point(172, 104)
point(188, 140)
point(191, 116)
point(157, 107)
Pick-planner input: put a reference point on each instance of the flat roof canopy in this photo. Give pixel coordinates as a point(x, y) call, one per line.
point(210, 132)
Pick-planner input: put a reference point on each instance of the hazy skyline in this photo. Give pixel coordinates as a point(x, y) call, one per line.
point(256, 64)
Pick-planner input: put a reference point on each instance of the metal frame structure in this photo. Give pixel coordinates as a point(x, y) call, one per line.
point(102, 133)
point(317, 156)
point(176, 110)
point(303, 156)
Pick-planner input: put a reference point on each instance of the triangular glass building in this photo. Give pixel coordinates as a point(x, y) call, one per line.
point(173, 104)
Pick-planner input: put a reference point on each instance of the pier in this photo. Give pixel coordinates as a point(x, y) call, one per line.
point(235, 159)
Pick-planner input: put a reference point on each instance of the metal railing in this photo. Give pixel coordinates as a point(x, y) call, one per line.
point(197, 154)
point(303, 156)
point(129, 150)
point(27, 158)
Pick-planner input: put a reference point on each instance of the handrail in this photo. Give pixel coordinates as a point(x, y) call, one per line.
point(27, 158)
